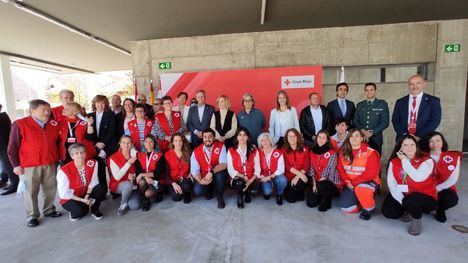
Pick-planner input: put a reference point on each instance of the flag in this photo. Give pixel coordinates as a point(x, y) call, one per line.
point(136, 89)
point(159, 90)
point(342, 75)
point(151, 94)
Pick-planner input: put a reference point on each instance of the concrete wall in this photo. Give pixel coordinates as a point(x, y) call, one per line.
point(349, 46)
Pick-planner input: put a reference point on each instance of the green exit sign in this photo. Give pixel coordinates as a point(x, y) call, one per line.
point(165, 65)
point(452, 48)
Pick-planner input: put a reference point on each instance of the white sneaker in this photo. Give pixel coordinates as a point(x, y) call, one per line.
point(122, 210)
point(73, 219)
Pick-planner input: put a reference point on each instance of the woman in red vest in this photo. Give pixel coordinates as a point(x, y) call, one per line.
point(149, 169)
point(166, 124)
point(297, 165)
point(123, 175)
point(411, 183)
point(73, 130)
point(359, 168)
point(447, 171)
point(326, 182)
point(271, 167)
point(243, 166)
point(180, 180)
point(78, 184)
point(139, 127)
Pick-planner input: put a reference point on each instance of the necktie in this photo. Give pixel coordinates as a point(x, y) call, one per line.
point(412, 124)
point(343, 107)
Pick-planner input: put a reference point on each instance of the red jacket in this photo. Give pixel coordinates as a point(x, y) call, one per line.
point(445, 167)
point(120, 161)
point(74, 179)
point(38, 146)
point(427, 187)
point(364, 168)
point(274, 157)
point(164, 123)
point(178, 168)
point(237, 162)
point(80, 133)
point(203, 160)
point(57, 112)
point(297, 159)
point(135, 133)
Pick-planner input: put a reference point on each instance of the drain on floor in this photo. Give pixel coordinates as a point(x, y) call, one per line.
point(460, 228)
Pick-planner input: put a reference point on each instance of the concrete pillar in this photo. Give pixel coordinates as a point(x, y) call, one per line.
point(6, 87)
point(451, 79)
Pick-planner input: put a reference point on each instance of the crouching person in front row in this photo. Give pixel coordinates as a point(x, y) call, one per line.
point(78, 185)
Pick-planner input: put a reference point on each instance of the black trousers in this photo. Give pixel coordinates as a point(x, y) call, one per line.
point(239, 185)
point(7, 170)
point(102, 172)
point(186, 185)
point(79, 209)
point(295, 193)
point(447, 199)
point(415, 204)
point(325, 192)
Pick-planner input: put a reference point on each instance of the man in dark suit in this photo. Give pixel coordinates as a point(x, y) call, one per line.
point(199, 118)
point(341, 107)
point(5, 166)
point(313, 118)
point(417, 113)
point(141, 98)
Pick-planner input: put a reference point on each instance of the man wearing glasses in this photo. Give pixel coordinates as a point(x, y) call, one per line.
point(251, 118)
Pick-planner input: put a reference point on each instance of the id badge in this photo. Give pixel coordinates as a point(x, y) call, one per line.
point(402, 188)
point(71, 140)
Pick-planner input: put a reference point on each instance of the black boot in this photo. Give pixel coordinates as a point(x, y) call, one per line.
point(440, 215)
point(187, 197)
point(158, 198)
point(247, 197)
point(325, 204)
point(279, 199)
point(146, 204)
point(240, 199)
point(267, 197)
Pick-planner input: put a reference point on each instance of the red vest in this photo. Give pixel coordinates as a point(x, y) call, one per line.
point(297, 159)
point(80, 133)
point(203, 160)
point(427, 187)
point(320, 162)
point(274, 158)
point(444, 168)
point(38, 146)
point(120, 161)
point(135, 133)
point(153, 161)
point(74, 180)
point(57, 112)
point(178, 168)
point(164, 123)
point(358, 166)
point(237, 162)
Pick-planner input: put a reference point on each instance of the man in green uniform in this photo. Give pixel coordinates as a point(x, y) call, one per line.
point(371, 117)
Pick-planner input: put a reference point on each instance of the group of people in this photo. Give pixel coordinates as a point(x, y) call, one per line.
point(139, 152)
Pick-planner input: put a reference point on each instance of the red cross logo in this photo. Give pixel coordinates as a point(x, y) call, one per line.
point(287, 82)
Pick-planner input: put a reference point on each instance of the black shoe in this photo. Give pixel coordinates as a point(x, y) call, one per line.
point(440, 216)
point(6, 187)
point(209, 196)
point(247, 198)
point(97, 214)
point(322, 208)
point(158, 198)
point(240, 201)
point(33, 222)
point(365, 215)
point(54, 214)
point(9, 191)
point(187, 198)
point(221, 204)
point(279, 199)
point(267, 197)
point(146, 205)
point(3, 183)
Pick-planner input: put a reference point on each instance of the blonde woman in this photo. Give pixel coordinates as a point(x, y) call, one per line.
point(282, 118)
point(224, 122)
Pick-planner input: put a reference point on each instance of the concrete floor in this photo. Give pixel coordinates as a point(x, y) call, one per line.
point(262, 232)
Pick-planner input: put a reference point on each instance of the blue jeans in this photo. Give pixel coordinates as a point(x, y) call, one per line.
point(217, 185)
point(280, 182)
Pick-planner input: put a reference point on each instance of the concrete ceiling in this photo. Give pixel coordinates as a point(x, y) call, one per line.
point(120, 22)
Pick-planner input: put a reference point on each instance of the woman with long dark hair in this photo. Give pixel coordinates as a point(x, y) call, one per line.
point(326, 182)
point(243, 166)
point(359, 168)
point(282, 118)
point(179, 179)
point(411, 183)
point(296, 164)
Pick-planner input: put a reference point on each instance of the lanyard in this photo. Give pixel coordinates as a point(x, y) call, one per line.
point(208, 158)
point(268, 161)
point(243, 156)
point(148, 160)
point(70, 129)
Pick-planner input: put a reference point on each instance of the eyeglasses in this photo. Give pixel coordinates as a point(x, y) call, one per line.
point(157, 104)
point(248, 100)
